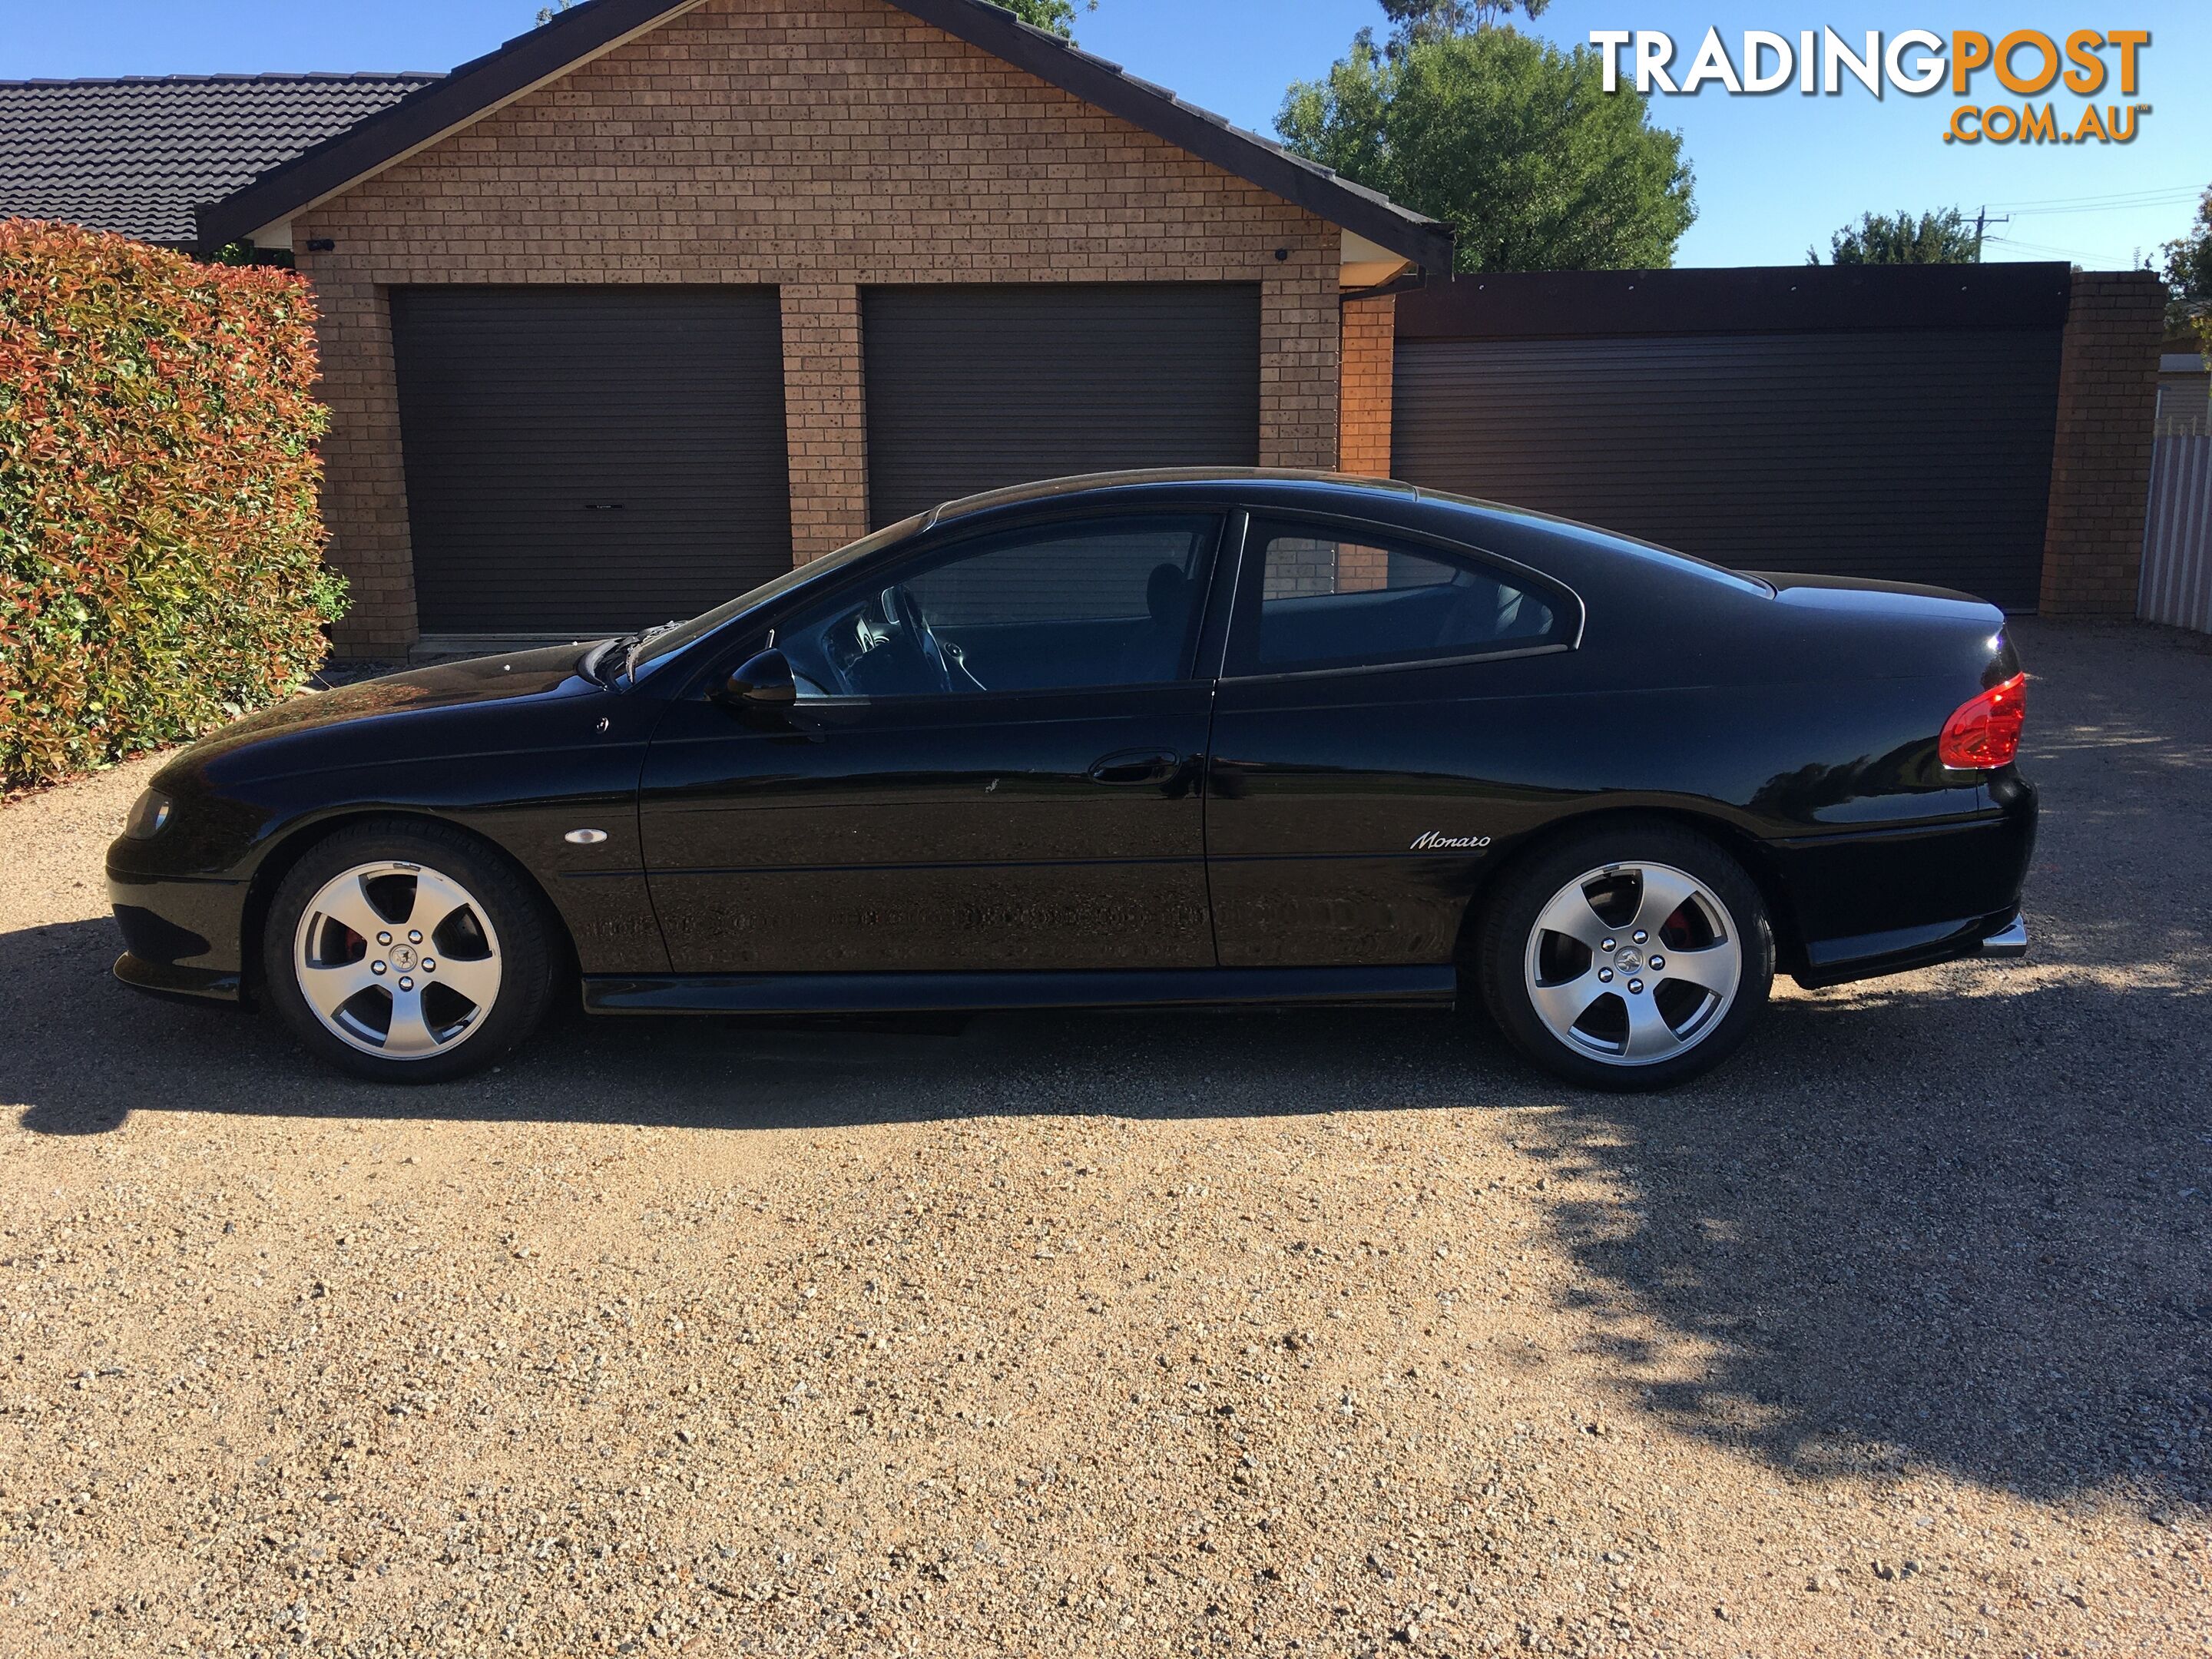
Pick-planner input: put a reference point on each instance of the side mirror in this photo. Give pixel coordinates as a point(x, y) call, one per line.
point(761, 686)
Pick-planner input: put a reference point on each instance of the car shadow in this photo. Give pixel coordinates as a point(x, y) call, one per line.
point(1904, 1226)
point(117, 1049)
point(1881, 1260)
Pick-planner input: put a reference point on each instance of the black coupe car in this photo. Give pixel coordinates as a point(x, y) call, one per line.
point(1132, 740)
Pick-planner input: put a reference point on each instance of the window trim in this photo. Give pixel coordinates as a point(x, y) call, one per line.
point(1243, 619)
point(882, 570)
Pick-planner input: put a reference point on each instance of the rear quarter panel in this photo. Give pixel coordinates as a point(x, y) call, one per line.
point(1800, 725)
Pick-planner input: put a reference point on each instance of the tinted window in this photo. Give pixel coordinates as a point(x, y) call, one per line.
point(1090, 602)
point(1333, 600)
point(659, 648)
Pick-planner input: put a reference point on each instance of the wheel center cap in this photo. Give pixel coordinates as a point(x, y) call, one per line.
point(1628, 959)
point(402, 958)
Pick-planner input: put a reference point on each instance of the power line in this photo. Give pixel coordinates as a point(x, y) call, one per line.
point(2111, 207)
point(1982, 223)
point(2115, 199)
point(2043, 248)
point(2101, 195)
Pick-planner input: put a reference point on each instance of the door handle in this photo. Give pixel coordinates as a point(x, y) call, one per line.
point(1136, 766)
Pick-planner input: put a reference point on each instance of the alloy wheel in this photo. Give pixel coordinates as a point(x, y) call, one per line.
point(1633, 963)
point(398, 960)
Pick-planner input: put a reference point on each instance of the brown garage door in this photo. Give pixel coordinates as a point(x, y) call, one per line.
point(971, 388)
point(1880, 421)
point(1920, 457)
point(583, 459)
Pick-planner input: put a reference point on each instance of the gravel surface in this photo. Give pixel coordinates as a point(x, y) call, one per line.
point(1337, 1335)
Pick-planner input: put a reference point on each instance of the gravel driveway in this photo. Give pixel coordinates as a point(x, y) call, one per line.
point(1182, 1334)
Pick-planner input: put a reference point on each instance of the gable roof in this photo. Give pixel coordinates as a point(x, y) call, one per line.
point(597, 26)
point(137, 155)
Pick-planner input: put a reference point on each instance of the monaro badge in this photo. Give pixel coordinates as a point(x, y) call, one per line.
point(1430, 839)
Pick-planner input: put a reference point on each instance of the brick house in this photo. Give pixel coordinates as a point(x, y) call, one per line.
point(630, 314)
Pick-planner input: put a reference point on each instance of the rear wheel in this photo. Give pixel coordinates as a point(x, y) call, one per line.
point(407, 953)
point(1632, 957)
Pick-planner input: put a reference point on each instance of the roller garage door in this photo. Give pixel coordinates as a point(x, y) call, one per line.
point(1916, 454)
point(581, 459)
point(971, 388)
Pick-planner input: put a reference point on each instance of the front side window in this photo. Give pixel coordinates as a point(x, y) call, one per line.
point(1331, 599)
point(1094, 602)
point(656, 648)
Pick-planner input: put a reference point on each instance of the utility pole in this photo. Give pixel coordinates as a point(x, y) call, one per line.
point(1982, 222)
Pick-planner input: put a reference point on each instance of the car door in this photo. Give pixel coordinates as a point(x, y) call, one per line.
point(1376, 736)
point(995, 763)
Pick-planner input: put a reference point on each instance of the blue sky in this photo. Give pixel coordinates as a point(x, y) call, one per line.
point(1774, 173)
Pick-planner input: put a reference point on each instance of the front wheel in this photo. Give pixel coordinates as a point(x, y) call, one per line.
point(406, 953)
point(1629, 958)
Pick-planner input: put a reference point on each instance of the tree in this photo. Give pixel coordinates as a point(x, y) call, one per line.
point(1513, 142)
point(2188, 277)
point(1943, 238)
point(1415, 20)
point(1058, 17)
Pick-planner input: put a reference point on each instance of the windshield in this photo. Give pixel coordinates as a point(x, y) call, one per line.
point(656, 648)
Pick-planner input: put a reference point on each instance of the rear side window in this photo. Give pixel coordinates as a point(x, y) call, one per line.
point(1336, 599)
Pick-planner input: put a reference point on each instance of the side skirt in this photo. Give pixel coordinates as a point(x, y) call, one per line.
point(934, 993)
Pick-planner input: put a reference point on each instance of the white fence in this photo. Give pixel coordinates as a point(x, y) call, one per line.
point(2177, 565)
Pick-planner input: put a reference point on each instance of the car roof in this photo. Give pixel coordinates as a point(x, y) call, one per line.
point(1185, 483)
point(1572, 551)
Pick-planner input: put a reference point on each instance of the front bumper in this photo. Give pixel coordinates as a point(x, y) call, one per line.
point(167, 980)
point(180, 935)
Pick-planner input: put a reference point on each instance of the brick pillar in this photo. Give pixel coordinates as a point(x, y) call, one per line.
point(1298, 354)
point(364, 484)
point(2100, 462)
point(1363, 415)
point(824, 417)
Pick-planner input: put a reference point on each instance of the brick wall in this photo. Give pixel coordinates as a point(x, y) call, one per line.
point(820, 146)
point(2100, 462)
point(1369, 352)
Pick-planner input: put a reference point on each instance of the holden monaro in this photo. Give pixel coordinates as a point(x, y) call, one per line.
point(1138, 740)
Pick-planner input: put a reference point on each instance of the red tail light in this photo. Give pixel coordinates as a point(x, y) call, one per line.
point(1984, 733)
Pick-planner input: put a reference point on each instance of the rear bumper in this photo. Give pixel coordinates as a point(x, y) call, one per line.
point(1907, 895)
point(1868, 956)
point(2009, 940)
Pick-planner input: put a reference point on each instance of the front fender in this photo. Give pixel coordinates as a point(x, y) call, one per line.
point(546, 770)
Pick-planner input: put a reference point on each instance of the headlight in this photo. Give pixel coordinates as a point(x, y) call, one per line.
point(149, 814)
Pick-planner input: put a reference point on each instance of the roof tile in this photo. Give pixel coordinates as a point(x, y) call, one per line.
point(137, 155)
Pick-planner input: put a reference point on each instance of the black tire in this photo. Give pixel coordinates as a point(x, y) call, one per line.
point(1510, 956)
point(513, 926)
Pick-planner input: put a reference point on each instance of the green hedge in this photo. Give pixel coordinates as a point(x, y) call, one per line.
point(160, 540)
